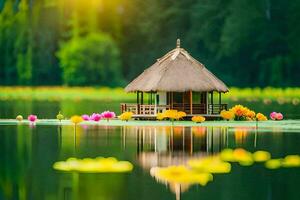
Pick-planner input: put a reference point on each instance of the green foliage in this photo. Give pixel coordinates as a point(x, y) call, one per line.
point(90, 60)
point(246, 43)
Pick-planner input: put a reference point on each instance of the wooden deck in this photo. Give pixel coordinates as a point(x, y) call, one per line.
point(210, 111)
point(153, 117)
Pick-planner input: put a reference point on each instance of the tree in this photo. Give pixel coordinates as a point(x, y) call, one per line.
point(90, 60)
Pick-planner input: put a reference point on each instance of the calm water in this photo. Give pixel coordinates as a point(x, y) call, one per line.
point(28, 153)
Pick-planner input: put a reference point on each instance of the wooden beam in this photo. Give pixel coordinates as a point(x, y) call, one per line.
point(191, 102)
point(219, 98)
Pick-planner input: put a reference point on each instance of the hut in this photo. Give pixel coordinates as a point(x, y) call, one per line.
point(176, 81)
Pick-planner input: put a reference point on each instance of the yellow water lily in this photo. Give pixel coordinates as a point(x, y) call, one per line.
point(261, 156)
point(181, 174)
point(227, 155)
point(76, 119)
point(198, 119)
point(97, 165)
point(243, 157)
point(239, 155)
point(273, 163)
point(212, 164)
point(126, 116)
point(291, 161)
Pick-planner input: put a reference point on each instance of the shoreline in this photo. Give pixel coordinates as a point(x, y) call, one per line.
point(284, 124)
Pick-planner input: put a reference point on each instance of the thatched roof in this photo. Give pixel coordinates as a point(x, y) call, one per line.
point(177, 71)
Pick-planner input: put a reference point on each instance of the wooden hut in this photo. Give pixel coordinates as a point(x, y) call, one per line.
point(176, 81)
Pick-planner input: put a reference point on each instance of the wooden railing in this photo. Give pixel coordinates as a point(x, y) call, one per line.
point(138, 109)
point(196, 109)
point(215, 109)
point(143, 109)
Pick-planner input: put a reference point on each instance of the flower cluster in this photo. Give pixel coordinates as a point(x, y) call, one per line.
point(171, 115)
point(97, 165)
point(242, 113)
point(276, 116)
point(181, 175)
point(126, 116)
point(198, 119)
point(261, 117)
point(97, 116)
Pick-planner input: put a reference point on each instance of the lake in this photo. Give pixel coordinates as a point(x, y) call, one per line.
point(29, 152)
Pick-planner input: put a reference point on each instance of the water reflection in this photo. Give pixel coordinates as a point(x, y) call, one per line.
point(169, 146)
point(29, 153)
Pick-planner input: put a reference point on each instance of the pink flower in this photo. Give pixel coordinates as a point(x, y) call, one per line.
point(32, 118)
point(273, 115)
point(108, 115)
point(279, 116)
point(86, 117)
point(96, 117)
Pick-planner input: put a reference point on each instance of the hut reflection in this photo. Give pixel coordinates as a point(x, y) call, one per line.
point(164, 146)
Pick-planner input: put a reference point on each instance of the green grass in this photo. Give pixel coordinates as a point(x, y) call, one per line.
point(287, 95)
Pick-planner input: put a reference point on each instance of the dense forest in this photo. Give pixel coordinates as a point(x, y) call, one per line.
point(246, 43)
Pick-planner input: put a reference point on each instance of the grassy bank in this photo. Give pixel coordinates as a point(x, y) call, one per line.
point(267, 95)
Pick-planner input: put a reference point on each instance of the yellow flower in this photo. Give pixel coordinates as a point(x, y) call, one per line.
point(198, 119)
point(126, 116)
point(261, 156)
point(76, 119)
point(181, 174)
point(250, 114)
point(181, 114)
point(210, 164)
point(160, 116)
point(239, 110)
point(97, 165)
point(174, 114)
point(227, 115)
point(261, 117)
point(291, 161)
point(273, 164)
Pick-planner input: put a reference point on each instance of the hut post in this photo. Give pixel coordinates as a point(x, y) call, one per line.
point(155, 104)
point(206, 103)
point(212, 102)
point(191, 102)
point(137, 102)
point(142, 98)
point(220, 107)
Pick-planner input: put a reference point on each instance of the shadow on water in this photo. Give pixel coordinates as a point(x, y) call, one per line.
point(28, 154)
